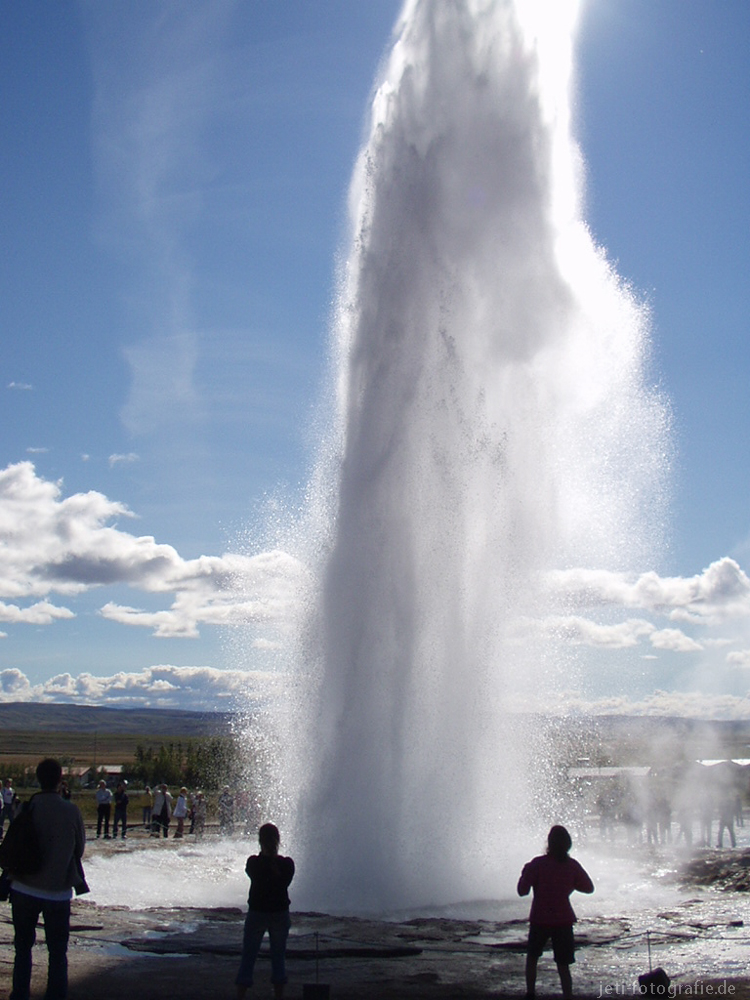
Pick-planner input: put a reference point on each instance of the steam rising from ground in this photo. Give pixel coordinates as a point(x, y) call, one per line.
point(492, 423)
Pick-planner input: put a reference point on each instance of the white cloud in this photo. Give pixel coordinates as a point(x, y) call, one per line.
point(42, 613)
point(675, 640)
point(123, 459)
point(739, 658)
point(20, 386)
point(66, 545)
point(584, 632)
point(720, 592)
point(671, 704)
point(14, 684)
point(208, 689)
point(165, 686)
point(53, 544)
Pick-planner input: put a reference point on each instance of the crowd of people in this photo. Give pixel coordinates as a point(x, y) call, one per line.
point(160, 809)
point(184, 813)
point(697, 815)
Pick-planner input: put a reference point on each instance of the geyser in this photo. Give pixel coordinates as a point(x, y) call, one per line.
point(492, 422)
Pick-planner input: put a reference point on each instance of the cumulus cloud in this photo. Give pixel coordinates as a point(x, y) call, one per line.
point(582, 631)
point(203, 689)
point(720, 592)
point(68, 545)
point(207, 689)
point(14, 685)
point(718, 597)
point(675, 640)
point(41, 613)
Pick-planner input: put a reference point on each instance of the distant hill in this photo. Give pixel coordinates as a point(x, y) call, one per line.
point(627, 739)
point(27, 716)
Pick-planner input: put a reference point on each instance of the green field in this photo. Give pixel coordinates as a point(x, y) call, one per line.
point(20, 749)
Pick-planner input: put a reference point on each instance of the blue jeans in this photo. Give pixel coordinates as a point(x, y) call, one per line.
point(102, 819)
point(56, 913)
point(256, 924)
point(6, 814)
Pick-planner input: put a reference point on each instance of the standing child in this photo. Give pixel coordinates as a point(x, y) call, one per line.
point(553, 877)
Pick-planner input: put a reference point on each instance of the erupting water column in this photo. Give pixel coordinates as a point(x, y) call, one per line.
point(492, 423)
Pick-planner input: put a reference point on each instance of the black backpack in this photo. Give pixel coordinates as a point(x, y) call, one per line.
point(20, 851)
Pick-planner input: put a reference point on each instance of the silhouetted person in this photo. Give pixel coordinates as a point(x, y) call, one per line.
point(553, 877)
point(180, 813)
point(147, 801)
point(606, 807)
point(226, 812)
point(726, 821)
point(121, 810)
point(268, 910)
point(664, 819)
point(161, 813)
point(103, 809)
point(652, 820)
point(685, 808)
point(59, 828)
point(6, 815)
point(706, 812)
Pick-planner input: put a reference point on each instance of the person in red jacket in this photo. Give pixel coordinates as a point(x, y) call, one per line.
point(553, 877)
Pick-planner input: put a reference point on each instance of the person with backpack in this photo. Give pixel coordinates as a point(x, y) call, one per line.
point(6, 808)
point(46, 884)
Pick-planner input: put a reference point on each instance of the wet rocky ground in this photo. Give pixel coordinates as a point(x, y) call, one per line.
point(702, 939)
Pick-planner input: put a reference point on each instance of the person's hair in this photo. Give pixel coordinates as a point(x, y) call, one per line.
point(269, 837)
point(48, 774)
point(558, 843)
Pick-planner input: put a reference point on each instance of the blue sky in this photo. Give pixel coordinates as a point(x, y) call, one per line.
point(172, 199)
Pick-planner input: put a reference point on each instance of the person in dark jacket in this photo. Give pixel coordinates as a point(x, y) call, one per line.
point(121, 810)
point(553, 877)
point(268, 910)
point(48, 891)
